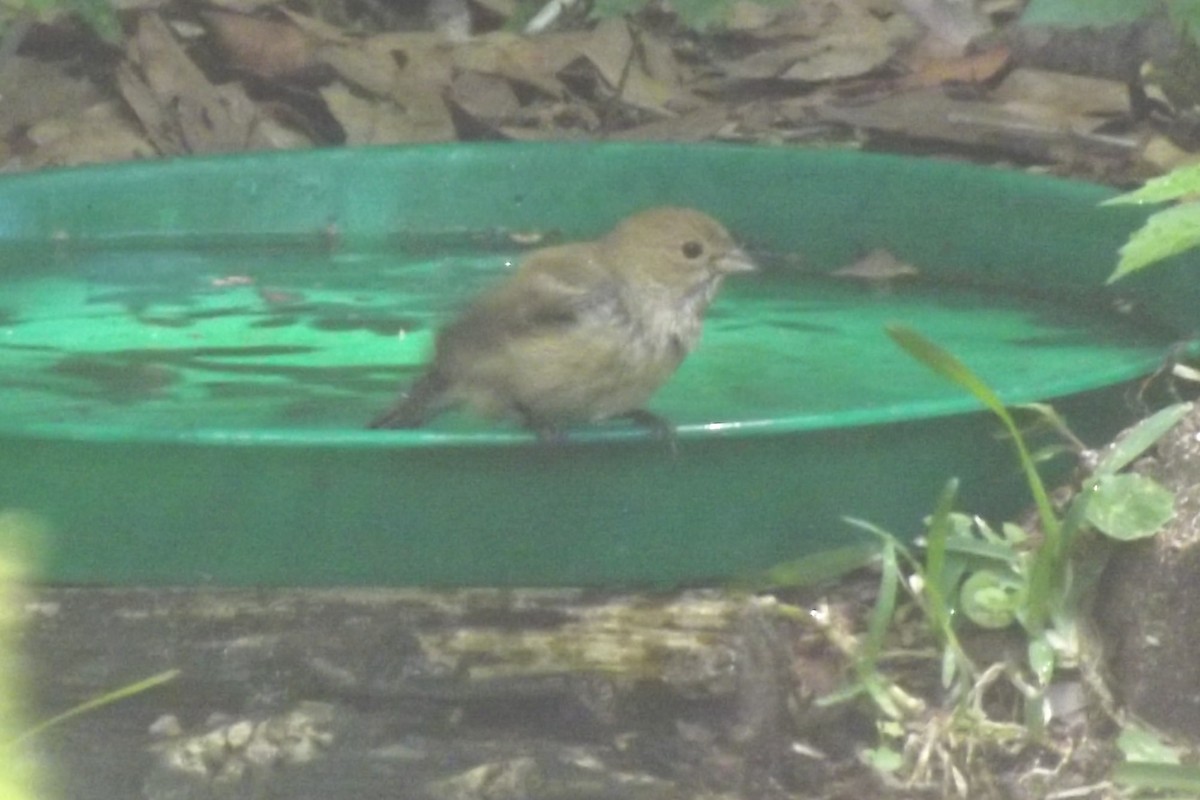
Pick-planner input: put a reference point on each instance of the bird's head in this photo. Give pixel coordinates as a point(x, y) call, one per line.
point(676, 249)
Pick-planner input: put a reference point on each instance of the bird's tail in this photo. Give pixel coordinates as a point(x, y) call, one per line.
point(417, 406)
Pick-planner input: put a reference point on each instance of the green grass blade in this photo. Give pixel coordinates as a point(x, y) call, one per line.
point(945, 364)
point(98, 702)
point(1158, 776)
point(1141, 437)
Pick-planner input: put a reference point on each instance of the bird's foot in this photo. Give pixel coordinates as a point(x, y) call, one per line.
point(660, 427)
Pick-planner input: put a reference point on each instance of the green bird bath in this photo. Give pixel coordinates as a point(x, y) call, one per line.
point(190, 350)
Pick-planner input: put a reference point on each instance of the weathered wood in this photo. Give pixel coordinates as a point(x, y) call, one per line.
point(404, 693)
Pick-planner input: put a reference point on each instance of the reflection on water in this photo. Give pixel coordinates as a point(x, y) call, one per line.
point(293, 336)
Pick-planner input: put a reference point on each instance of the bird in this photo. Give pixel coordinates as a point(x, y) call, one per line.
point(580, 332)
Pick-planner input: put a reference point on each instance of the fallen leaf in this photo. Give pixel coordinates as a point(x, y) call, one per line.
point(697, 126)
point(877, 267)
point(611, 50)
point(1064, 94)
point(976, 68)
point(487, 98)
point(531, 61)
point(34, 89)
point(370, 69)
point(263, 47)
point(829, 41)
point(181, 111)
point(97, 134)
point(384, 121)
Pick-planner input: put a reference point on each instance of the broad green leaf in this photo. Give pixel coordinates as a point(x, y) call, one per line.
point(1085, 13)
point(1166, 233)
point(1175, 184)
point(979, 553)
point(1186, 13)
point(101, 17)
point(883, 759)
point(1103, 13)
point(1141, 744)
point(991, 599)
point(702, 14)
point(604, 9)
point(1158, 776)
point(1129, 506)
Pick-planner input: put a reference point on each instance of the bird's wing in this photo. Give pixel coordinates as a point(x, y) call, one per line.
point(555, 287)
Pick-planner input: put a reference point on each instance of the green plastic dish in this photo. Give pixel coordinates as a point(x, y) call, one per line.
point(189, 351)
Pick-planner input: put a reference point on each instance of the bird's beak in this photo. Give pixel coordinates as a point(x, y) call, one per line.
point(736, 260)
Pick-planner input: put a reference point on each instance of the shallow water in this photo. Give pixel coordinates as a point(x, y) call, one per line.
point(276, 335)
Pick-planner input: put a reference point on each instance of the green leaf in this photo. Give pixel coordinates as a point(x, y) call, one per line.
point(1042, 659)
point(1158, 776)
point(1186, 13)
point(1129, 506)
point(885, 607)
point(1175, 184)
point(99, 702)
point(100, 16)
point(1047, 564)
point(940, 527)
point(822, 567)
point(991, 599)
point(1085, 13)
point(605, 9)
point(883, 759)
point(1141, 437)
point(1137, 743)
point(702, 14)
point(1165, 234)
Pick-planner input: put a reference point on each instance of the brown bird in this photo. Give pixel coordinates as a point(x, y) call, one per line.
point(581, 332)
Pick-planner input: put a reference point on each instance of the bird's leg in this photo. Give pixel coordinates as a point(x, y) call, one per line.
point(545, 431)
point(660, 427)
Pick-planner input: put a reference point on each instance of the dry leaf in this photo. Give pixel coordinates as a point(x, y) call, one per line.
point(33, 89)
point(746, 15)
point(316, 29)
point(486, 98)
point(366, 121)
point(556, 121)
point(504, 9)
point(384, 121)
point(418, 56)
point(973, 69)
point(930, 115)
point(263, 47)
point(702, 124)
point(450, 18)
point(532, 61)
point(954, 22)
point(611, 49)
point(240, 6)
point(1064, 94)
point(877, 267)
point(98, 134)
point(371, 70)
point(180, 110)
point(819, 42)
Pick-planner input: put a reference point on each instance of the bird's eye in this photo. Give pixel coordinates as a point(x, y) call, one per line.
point(692, 249)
